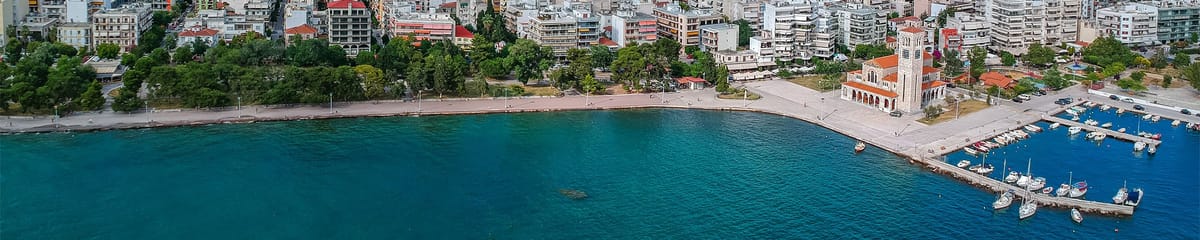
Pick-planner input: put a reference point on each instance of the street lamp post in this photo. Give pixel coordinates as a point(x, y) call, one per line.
point(419, 100)
point(149, 112)
point(239, 103)
point(506, 97)
point(330, 103)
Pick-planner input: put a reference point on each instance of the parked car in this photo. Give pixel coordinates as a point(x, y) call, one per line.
point(1128, 100)
point(1063, 101)
point(896, 114)
point(1025, 97)
point(1185, 111)
point(1017, 100)
point(1138, 107)
point(1114, 97)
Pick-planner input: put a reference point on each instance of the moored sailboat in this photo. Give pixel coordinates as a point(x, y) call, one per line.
point(1079, 189)
point(1028, 208)
point(1135, 197)
point(1003, 201)
point(1122, 195)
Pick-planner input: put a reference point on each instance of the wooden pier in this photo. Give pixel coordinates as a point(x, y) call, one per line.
point(1110, 132)
point(996, 186)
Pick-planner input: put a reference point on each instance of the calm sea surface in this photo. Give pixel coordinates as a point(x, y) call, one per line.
point(649, 174)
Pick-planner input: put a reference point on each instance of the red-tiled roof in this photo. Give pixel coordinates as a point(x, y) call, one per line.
point(889, 61)
point(206, 32)
point(607, 42)
point(913, 30)
point(462, 32)
point(346, 4)
point(868, 88)
point(1082, 43)
point(905, 19)
point(890, 39)
point(449, 5)
point(302, 29)
point(855, 72)
point(891, 77)
point(683, 80)
point(932, 84)
point(996, 79)
point(926, 55)
point(927, 70)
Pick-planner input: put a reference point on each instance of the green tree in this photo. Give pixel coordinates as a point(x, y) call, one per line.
point(1008, 59)
point(1182, 60)
point(1054, 79)
point(590, 85)
point(1105, 50)
point(1192, 74)
point(108, 50)
point(1130, 84)
point(373, 81)
point(953, 66)
point(1113, 70)
point(601, 57)
point(1158, 60)
point(127, 101)
point(977, 55)
point(529, 60)
point(1038, 55)
point(830, 81)
point(1137, 76)
point(723, 85)
point(932, 112)
point(745, 32)
point(365, 58)
point(92, 98)
point(1166, 82)
point(629, 67)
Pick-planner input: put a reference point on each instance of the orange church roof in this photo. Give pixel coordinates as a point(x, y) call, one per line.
point(889, 61)
point(890, 77)
point(868, 88)
point(928, 70)
point(932, 84)
point(913, 30)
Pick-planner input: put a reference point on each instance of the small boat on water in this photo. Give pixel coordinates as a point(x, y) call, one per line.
point(981, 147)
point(1047, 190)
point(859, 147)
point(1001, 140)
point(1003, 201)
point(1032, 128)
point(1155, 118)
point(963, 164)
point(1135, 197)
point(1091, 135)
point(991, 144)
point(1100, 136)
point(1156, 136)
point(1055, 125)
point(1152, 150)
point(1028, 208)
point(1075, 216)
point(1072, 112)
point(1105, 107)
point(1120, 110)
point(971, 151)
point(985, 169)
point(1175, 123)
point(1075, 118)
point(1147, 117)
point(1012, 177)
point(1139, 146)
point(1038, 183)
point(1026, 179)
point(1065, 188)
point(1073, 130)
point(1090, 122)
point(1079, 189)
point(1121, 130)
point(1106, 125)
point(1122, 195)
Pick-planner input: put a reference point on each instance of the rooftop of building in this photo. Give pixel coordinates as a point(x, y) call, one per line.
point(302, 29)
point(346, 4)
point(198, 31)
point(693, 13)
point(462, 32)
point(719, 26)
point(905, 19)
point(913, 30)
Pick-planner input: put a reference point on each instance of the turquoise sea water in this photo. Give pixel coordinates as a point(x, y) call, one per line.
point(649, 174)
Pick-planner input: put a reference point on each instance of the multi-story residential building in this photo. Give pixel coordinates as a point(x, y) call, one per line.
point(1134, 24)
point(949, 39)
point(859, 24)
point(76, 34)
point(905, 81)
point(11, 12)
point(779, 24)
point(193, 34)
point(258, 10)
point(36, 25)
point(972, 28)
point(684, 26)
point(399, 20)
point(629, 27)
point(463, 37)
point(1177, 20)
point(719, 37)
point(205, 4)
point(763, 49)
point(349, 25)
point(518, 15)
point(588, 26)
point(556, 29)
point(121, 26)
point(1016, 24)
point(76, 11)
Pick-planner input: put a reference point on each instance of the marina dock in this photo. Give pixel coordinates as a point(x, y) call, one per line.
point(996, 186)
point(1110, 132)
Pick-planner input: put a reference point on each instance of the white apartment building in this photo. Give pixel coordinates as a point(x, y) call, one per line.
point(121, 26)
point(1177, 19)
point(555, 29)
point(684, 26)
point(349, 25)
point(859, 24)
point(1134, 24)
point(972, 28)
point(1016, 24)
point(76, 34)
point(719, 37)
point(630, 27)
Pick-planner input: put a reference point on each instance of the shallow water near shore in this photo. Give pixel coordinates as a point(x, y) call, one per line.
point(653, 173)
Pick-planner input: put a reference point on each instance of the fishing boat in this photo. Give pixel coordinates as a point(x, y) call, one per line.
point(1003, 201)
point(991, 144)
point(1120, 110)
point(1021, 134)
point(1032, 128)
point(1147, 117)
point(1090, 135)
point(1038, 183)
point(1055, 125)
point(1135, 197)
point(1156, 136)
point(1100, 136)
point(1072, 112)
point(1065, 188)
point(1155, 118)
point(968, 150)
point(1090, 122)
point(1106, 125)
point(859, 147)
point(1138, 146)
point(980, 146)
point(985, 169)
point(1152, 150)
point(1122, 195)
point(1121, 130)
point(1079, 190)
point(1001, 140)
point(963, 164)
point(1047, 190)
point(1073, 130)
point(1175, 123)
point(1105, 107)
point(1075, 216)
point(1028, 208)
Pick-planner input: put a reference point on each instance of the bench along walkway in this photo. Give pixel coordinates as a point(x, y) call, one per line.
point(997, 186)
point(1110, 132)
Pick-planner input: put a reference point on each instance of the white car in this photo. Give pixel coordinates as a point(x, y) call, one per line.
point(1128, 100)
point(1025, 97)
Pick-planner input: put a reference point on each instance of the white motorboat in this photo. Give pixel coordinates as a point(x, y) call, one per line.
point(859, 147)
point(1122, 195)
point(963, 164)
point(1155, 118)
point(1032, 128)
point(1021, 133)
point(1065, 188)
point(1079, 189)
point(1106, 125)
point(970, 150)
point(1047, 190)
point(1100, 136)
point(1075, 118)
point(1075, 216)
point(991, 144)
point(1028, 208)
point(1072, 112)
point(1121, 130)
point(1120, 110)
point(1001, 140)
point(1135, 197)
point(1038, 183)
point(1012, 177)
point(1026, 179)
point(1138, 146)
point(985, 169)
point(1090, 122)
point(1175, 123)
point(1091, 135)
point(1147, 117)
point(1152, 150)
point(1003, 201)
point(1073, 130)
point(1105, 107)
point(1055, 125)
